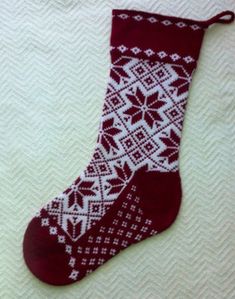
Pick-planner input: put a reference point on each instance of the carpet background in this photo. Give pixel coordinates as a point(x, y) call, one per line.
point(54, 62)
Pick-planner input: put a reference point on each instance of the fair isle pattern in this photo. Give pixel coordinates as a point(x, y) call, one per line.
point(153, 54)
point(140, 126)
point(139, 18)
point(128, 224)
point(60, 42)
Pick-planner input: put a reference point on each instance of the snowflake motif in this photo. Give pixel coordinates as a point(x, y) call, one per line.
point(162, 54)
point(175, 57)
point(135, 50)
point(181, 24)
point(53, 230)
point(107, 133)
point(183, 80)
point(122, 48)
point(123, 176)
point(195, 27)
point(172, 147)
point(80, 189)
point(188, 59)
point(149, 52)
point(123, 16)
point(152, 20)
point(61, 239)
point(138, 18)
point(44, 222)
point(73, 275)
point(117, 71)
point(144, 108)
point(166, 22)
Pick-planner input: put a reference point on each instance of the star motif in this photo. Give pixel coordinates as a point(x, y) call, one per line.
point(144, 108)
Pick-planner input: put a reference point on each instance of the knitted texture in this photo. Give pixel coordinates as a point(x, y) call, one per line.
point(142, 115)
point(53, 76)
point(140, 131)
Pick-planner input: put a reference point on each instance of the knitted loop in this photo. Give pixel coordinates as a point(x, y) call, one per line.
point(225, 17)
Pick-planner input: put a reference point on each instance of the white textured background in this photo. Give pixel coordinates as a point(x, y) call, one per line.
point(54, 63)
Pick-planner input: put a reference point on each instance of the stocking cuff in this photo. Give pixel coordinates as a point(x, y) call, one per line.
point(159, 37)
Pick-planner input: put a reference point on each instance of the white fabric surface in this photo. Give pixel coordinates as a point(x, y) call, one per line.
point(54, 62)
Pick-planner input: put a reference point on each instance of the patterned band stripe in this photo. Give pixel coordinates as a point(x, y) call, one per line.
point(173, 57)
point(153, 20)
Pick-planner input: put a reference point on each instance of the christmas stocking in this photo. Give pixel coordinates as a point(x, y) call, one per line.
point(131, 189)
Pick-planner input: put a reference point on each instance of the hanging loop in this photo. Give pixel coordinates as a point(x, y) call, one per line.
point(225, 17)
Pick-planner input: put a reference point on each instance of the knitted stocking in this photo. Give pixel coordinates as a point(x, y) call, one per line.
point(131, 189)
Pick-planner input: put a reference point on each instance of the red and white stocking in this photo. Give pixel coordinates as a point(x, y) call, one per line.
point(131, 189)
